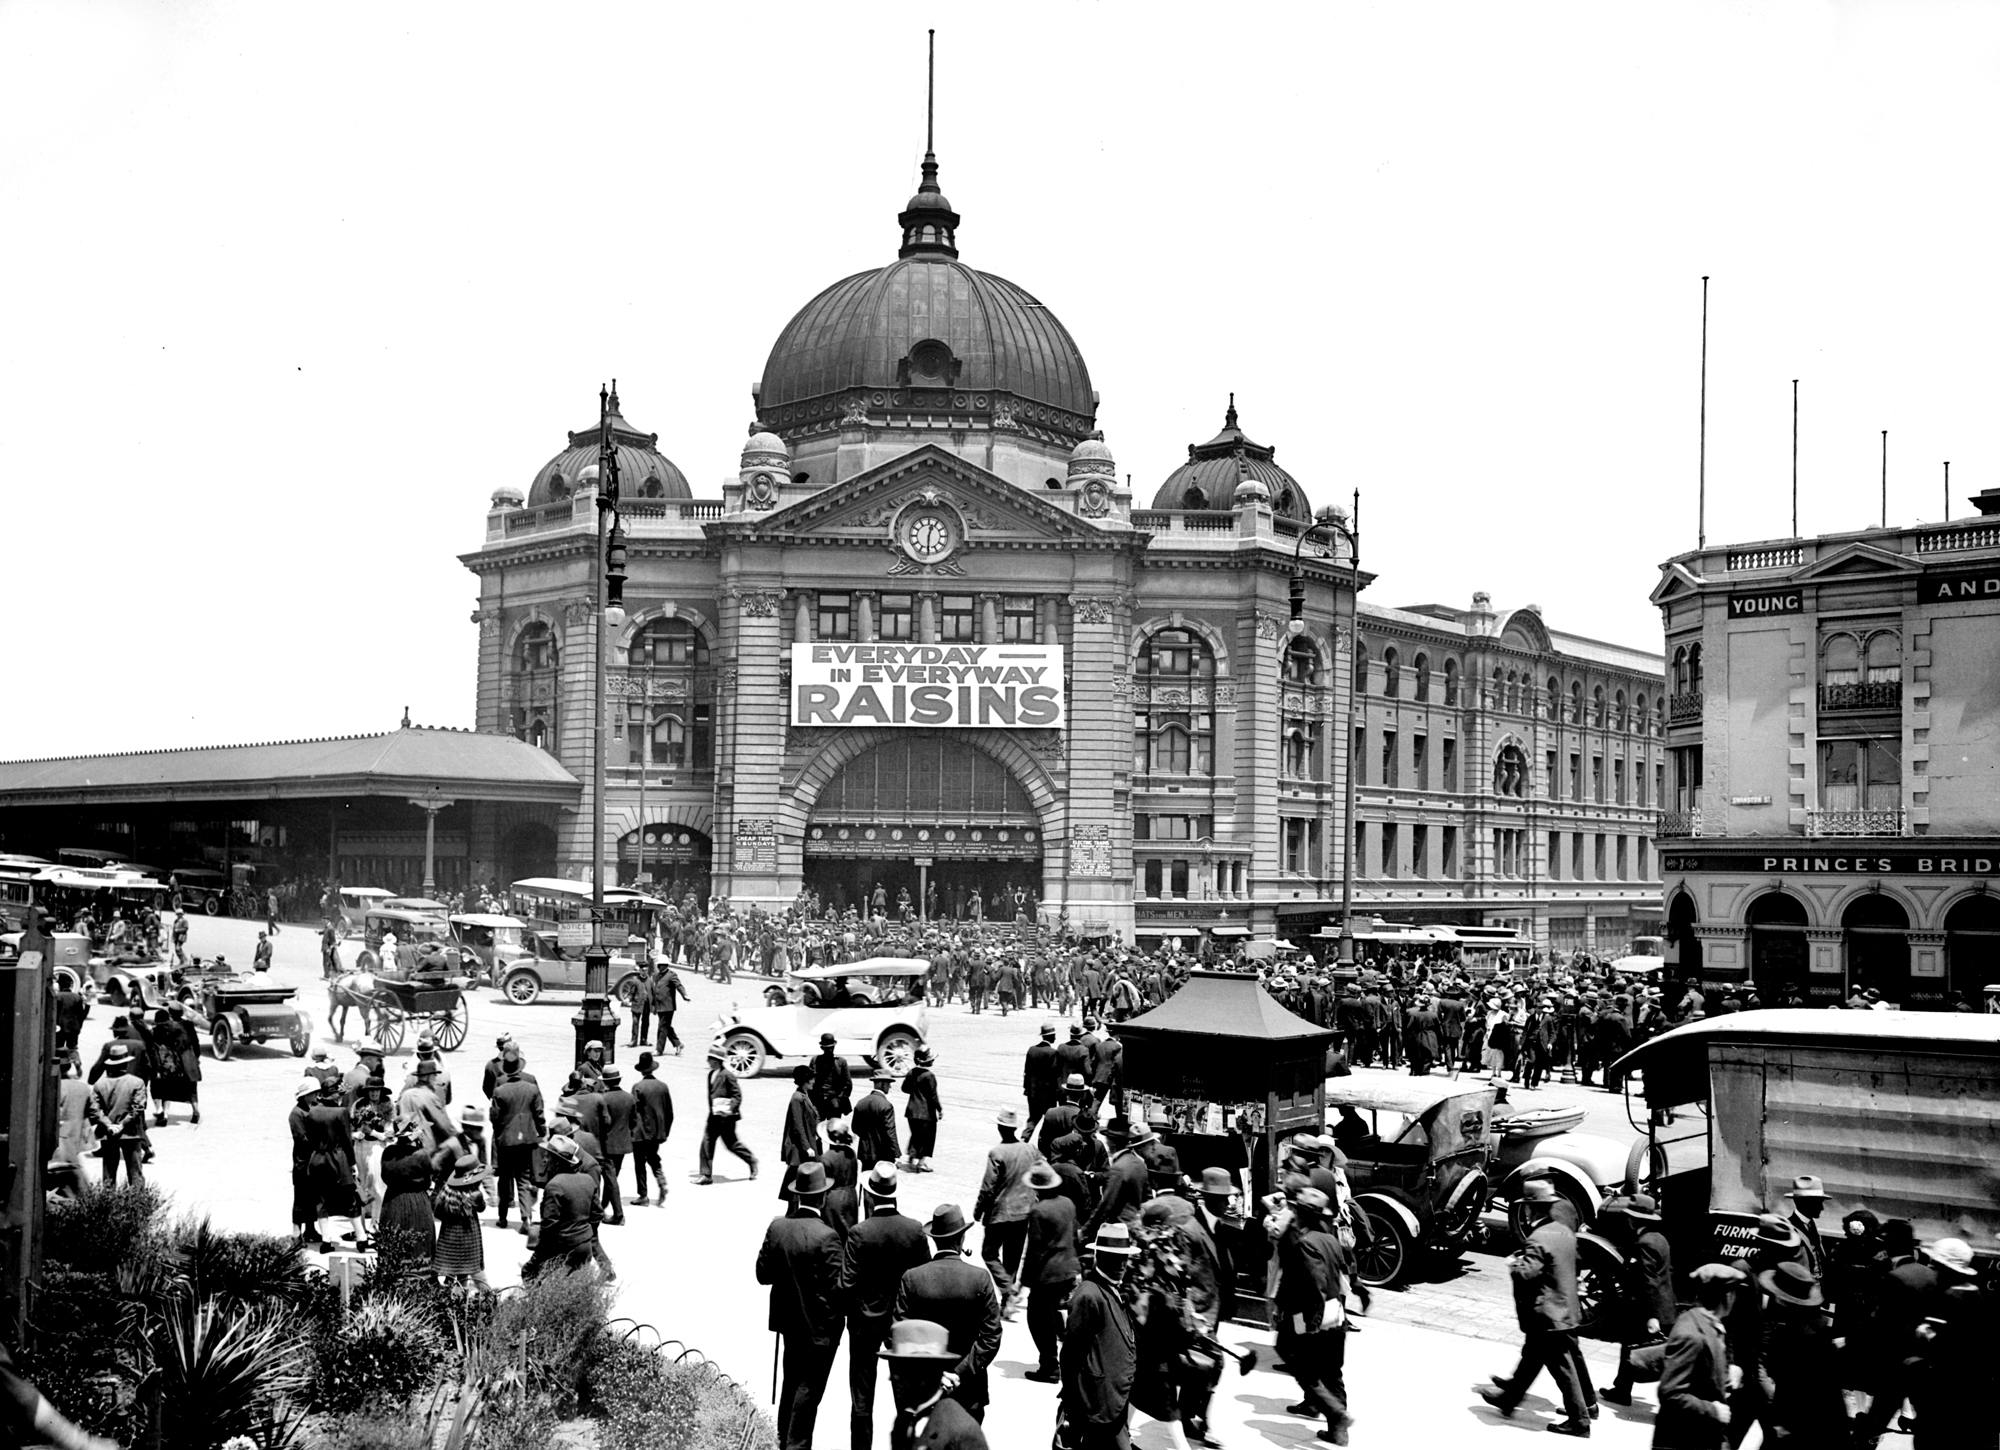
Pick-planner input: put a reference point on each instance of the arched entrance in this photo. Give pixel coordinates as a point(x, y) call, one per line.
point(929, 814)
point(1972, 946)
point(1683, 946)
point(671, 861)
point(1878, 946)
point(1777, 925)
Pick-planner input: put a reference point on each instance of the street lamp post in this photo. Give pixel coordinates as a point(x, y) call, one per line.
point(1348, 528)
point(595, 1021)
point(430, 803)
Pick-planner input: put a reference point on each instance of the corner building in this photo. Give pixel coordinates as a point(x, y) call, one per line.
point(925, 639)
point(1833, 733)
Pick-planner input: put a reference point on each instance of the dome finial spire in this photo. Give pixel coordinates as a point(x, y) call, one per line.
point(1229, 418)
point(929, 224)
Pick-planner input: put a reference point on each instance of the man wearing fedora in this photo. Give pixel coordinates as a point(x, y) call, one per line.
point(1545, 1301)
point(516, 1110)
point(1645, 1307)
point(1697, 1377)
point(1049, 1268)
point(962, 1297)
point(1100, 1358)
point(1041, 1080)
point(1127, 1182)
point(874, 1256)
point(874, 1121)
point(1060, 1119)
point(725, 1107)
point(1310, 1301)
point(1955, 1403)
point(117, 1108)
point(611, 1121)
point(1003, 1204)
point(1802, 1398)
point(920, 1359)
point(568, 1228)
point(652, 1121)
point(1808, 1196)
point(800, 1260)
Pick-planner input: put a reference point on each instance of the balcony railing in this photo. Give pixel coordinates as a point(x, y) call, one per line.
point(1867, 695)
point(1785, 556)
point(1680, 824)
point(1856, 823)
point(1684, 708)
point(1953, 540)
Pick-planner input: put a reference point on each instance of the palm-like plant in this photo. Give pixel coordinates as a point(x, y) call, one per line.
point(222, 1369)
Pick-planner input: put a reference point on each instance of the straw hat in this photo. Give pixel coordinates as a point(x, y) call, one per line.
point(917, 1339)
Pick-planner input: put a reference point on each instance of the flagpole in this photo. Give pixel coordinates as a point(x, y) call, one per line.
point(1795, 458)
point(1947, 490)
point(1885, 478)
point(1701, 464)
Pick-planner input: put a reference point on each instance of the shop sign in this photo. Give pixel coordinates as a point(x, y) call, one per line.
point(937, 686)
point(1756, 603)
point(1951, 586)
point(1892, 862)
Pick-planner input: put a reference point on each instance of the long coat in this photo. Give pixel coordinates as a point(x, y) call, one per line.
point(1693, 1382)
point(801, 1140)
point(800, 1260)
point(875, 1130)
point(1545, 1279)
point(922, 1110)
point(959, 1295)
point(1100, 1357)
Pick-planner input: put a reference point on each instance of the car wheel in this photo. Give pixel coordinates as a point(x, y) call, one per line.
point(1386, 1257)
point(221, 1039)
point(301, 1037)
point(522, 988)
point(627, 990)
point(1460, 1215)
point(212, 906)
point(897, 1051)
point(743, 1054)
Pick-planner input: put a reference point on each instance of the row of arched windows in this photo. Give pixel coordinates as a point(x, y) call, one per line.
point(678, 736)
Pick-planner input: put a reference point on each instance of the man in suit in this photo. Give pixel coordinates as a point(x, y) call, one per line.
point(1127, 1184)
point(1696, 1378)
point(1049, 1268)
point(882, 1247)
point(652, 1121)
point(1646, 1299)
point(1002, 1207)
point(1808, 1198)
point(1040, 1078)
point(1107, 1078)
point(516, 1110)
point(920, 1360)
point(1058, 1120)
point(1216, 1214)
point(875, 1122)
point(960, 1296)
point(725, 1108)
point(1074, 1057)
point(800, 1260)
point(1545, 1302)
point(1310, 1301)
point(1099, 1350)
point(800, 1143)
point(568, 1230)
point(612, 1123)
point(832, 1083)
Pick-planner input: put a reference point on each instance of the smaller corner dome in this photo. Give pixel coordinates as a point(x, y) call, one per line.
point(765, 447)
point(506, 496)
point(1092, 450)
point(643, 471)
point(1209, 478)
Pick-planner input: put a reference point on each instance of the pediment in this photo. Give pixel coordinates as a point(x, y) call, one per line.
point(1675, 583)
point(867, 507)
point(1856, 560)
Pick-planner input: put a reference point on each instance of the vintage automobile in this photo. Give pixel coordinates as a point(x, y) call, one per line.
point(202, 889)
point(537, 965)
point(415, 932)
point(148, 985)
point(488, 941)
point(1420, 1174)
point(238, 1008)
point(1896, 1112)
point(355, 904)
point(874, 1008)
point(1585, 1168)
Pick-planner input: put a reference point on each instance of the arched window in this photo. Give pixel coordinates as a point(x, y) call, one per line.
point(1451, 682)
point(668, 642)
point(1555, 705)
point(1639, 722)
point(1681, 670)
point(1840, 660)
point(1694, 667)
point(669, 740)
point(1392, 673)
point(1194, 498)
point(537, 733)
point(1498, 699)
point(1619, 719)
point(1597, 706)
point(1298, 751)
point(1300, 665)
point(1576, 702)
point(535, 649)
point(1421, 667)
point(1513, 690)
point(1361, 670)
point(1173, 733)
point(1883, 658)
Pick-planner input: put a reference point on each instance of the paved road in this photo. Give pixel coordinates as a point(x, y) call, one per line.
point(685, 1267)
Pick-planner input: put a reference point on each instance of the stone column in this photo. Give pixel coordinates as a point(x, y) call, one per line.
point(1050, 609)
point(864, 618)
point(802, 617)
point(489, 711)
point(1098, 851)
point(747, 785)
point(927, 619)
point(1254, 747)
point(989, 619)
point(576, 720)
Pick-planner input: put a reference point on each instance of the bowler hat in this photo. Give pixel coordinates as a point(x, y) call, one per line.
point(1217, 1181)
point(809, 1181)
point(1793, 1283)
point(917, 1339)
point(947, 1221)
point(827, 1039)
point(1042, 1178)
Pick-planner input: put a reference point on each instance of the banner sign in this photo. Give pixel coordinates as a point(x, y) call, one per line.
point(981, 686)
point(1758, 603)
point(1889, 861)
point(1950, 587)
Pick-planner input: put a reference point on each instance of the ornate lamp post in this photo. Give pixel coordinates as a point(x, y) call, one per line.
point(595, 1021)
point(1331, 518)
point(430, 803)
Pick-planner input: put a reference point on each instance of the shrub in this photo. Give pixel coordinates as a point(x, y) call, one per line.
point(222, 1369)
point(642, 1406)
point(545, 1332)
point(104, 1228)
point(384, 1352)
point(519, 1426)
point(371, 1430)
point(242, 1268)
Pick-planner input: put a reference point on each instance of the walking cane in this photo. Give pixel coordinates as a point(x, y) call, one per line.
point(774, 1369)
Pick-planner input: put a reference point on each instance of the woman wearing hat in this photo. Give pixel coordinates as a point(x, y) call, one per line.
point(922, 1110)
point(461, 1247)
point(406, 1185)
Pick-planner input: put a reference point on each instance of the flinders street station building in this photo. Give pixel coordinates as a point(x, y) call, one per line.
point(929, 637)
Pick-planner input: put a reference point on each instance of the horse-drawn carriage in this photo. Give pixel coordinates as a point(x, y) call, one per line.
point(388, 1004)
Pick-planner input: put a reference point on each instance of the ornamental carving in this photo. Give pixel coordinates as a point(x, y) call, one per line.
point(647, 687)
point(1268, 625)
point(1225, 696)
point(1094, 608)
point(1003, 417)
point(488, 621)
point(532, 690)
point(976, 517)
point(1170, 698)
point(1090, 850)
point(1297, 704)
point(1095, 500)
point(725, 679)
point(1049, 742)
point(760, 603)
point(809, 737)
point(904, 564)
point(1121, 687)
point(856, 415)
point(576, 611)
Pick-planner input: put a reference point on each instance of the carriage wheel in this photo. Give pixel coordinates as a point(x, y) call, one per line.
point(452, 1026)
point(389, 1028)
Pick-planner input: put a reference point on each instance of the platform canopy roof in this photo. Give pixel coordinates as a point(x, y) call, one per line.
point(461, 764)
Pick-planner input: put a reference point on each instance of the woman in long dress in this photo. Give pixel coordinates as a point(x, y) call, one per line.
point(922, 1111)
point(406, 1191)
point(176, 1060)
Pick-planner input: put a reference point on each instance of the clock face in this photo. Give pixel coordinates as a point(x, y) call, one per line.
point(929, 537)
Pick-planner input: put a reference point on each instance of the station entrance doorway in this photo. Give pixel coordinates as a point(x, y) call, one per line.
point(930, 815)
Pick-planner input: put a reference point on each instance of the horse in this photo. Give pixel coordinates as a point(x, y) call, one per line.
point(350, 990)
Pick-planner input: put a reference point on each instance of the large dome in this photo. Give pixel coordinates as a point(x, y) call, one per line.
point(643, 471)
point(926, 335)
point(1213, 469)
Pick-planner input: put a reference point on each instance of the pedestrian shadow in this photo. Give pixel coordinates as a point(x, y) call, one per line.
point(1528, 1415)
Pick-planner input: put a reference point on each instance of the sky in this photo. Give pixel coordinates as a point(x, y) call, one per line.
point(292, 288)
